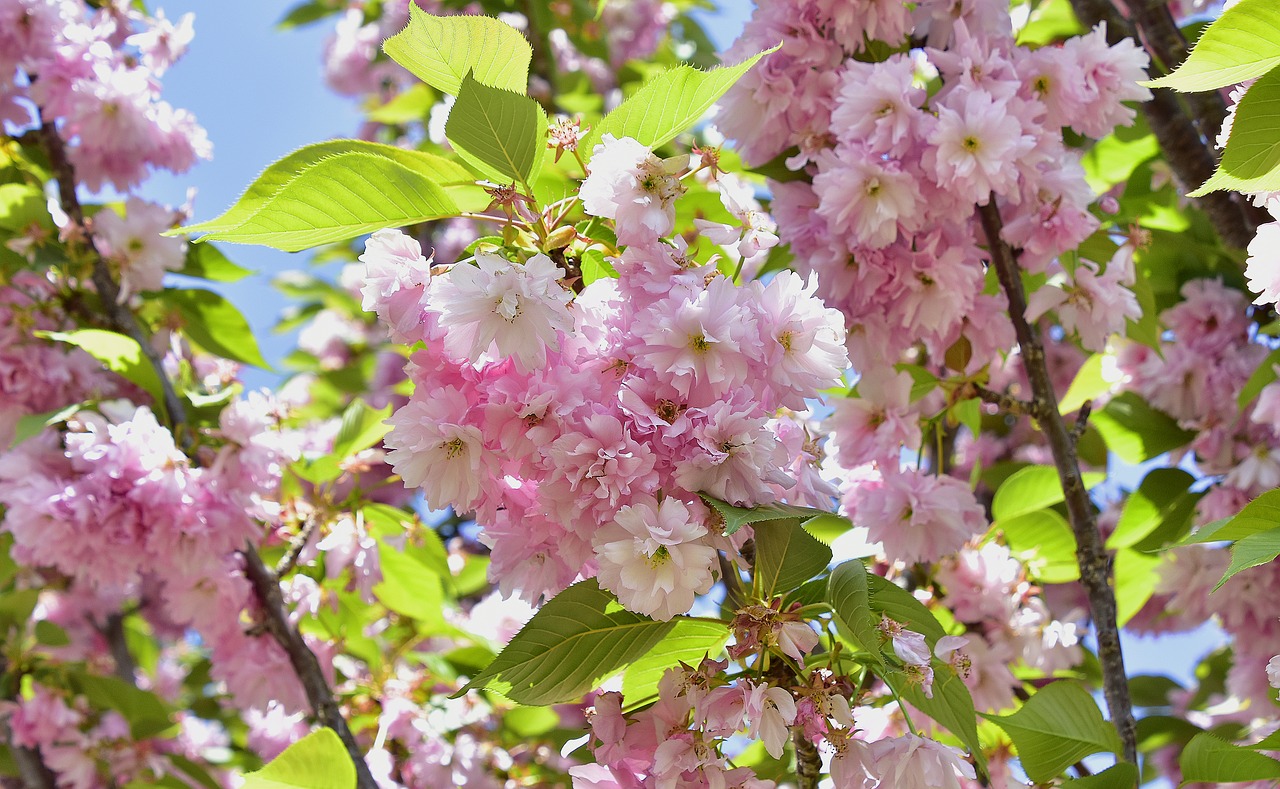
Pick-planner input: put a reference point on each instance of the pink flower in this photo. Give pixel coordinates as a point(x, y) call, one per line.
point(1095, 306)
point(911, 762)
point(734, 457)
point(497, 309)
point(395, 280)
point(803, 339)
point(908, 645)
point(979, 145)
point(651, 556)
point(868, 197)
point(134, 243)
point(770, 711)
point(434, 448)
point(628, 184)
point(917, 517)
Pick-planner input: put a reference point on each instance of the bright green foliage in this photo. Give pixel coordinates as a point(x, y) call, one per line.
point(442, 50)
point(889, 599)
point(1251, 161)
point(1032, 488)
point(1135, 581)
point(1120, 775)
point(1162, 506)
point(849, 595)
point(1210, 759)
point(410, 588)
point(317, 761)
point(737, 517)
point(216, 325)
point(1135, 431)
point(688, 642)
point(122, 355)
point(341, 189)
point(1251, 551)
point(668, 104)
point(1042, 539)
point(207, 262)
point(1058, 726)
point(1242, 44)
point(362, 427)
point(786, 556)
point(577, 639)
point(1260, 515)
point(500, 133)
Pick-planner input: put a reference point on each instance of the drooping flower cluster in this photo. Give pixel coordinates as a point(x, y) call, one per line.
point(552, 419)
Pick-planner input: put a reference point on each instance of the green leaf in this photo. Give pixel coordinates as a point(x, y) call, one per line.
point(1136, 579)
point(1058, 726)
point(51, 635)
point(1033, 488)
point(409, 106)
point(362, 427)
point(786, 556)
point(688, 642)
point(1161, 496)
point(1043, 539)
point(1252, 551)
point(442, 50)
point(500, 133)
point(1087, 385)
point(737, 517)
point(335, 190)
point(1260, 515)
point(669, 103)
point(1135, 431)
point(1112, 160)
point(891, 600)
point(207, 262)
point(1121, 775)
point(122, 355)
point(577, 639)
point(1265, 374)
point(216, 325)
point(596, 266)
point(1050, 21)
point(409, 587)
point(317, 761)
point(31, 425)
point(1208, 759)
point(1251, 160)
point(1241, 44)
point(146, 713)
point(850, 597)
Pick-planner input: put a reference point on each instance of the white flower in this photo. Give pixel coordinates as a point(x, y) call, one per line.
point(628, 184)
point(498, 309)
point(432, 449)
point(911, 762)
point(770, 711)
point(651, 558)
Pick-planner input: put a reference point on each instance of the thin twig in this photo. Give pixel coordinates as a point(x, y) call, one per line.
point(1095, 563)
point(296, 546)
point(1007, 402)
point(1082, 422)
point(267, 587)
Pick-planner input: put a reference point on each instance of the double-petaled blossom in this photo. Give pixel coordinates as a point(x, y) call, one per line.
point(628, 184)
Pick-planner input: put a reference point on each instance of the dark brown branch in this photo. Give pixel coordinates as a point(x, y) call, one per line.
point(113, 632)
point(1007, 402)
point(1095, 563)
point(1187, 143)
point(808, 761)
point(267, 588)
point(1082, 422)
point(296, 545)
point(118, 315)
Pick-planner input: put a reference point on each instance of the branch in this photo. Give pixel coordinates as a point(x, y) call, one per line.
point(119, 316)
point(808, 761)
point(267, 588)
point(113, 631)
point(1188, 149)
point(1095, 563)
point(1008, 402)
point(296, 546)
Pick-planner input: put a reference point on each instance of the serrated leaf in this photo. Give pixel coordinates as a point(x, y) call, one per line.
point(206, 261)
point(1259, 515)
point(372, 186)
point(362, 427)
point(849, 595)
point(1209, 759)
point(1033, 488)
point(688, 642)
point(577, 639)
point(317, 761)
point(1058, 726)
point(1252, 551)
point(1121, 775)
point(1243, 43)
point(669, 103)
point(216, 325)
point(1135, 431)
point(1251, 160)
point(500, 133)
point(442, 50)
point(786, 556)
point(122, 355)
point(737, 517)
